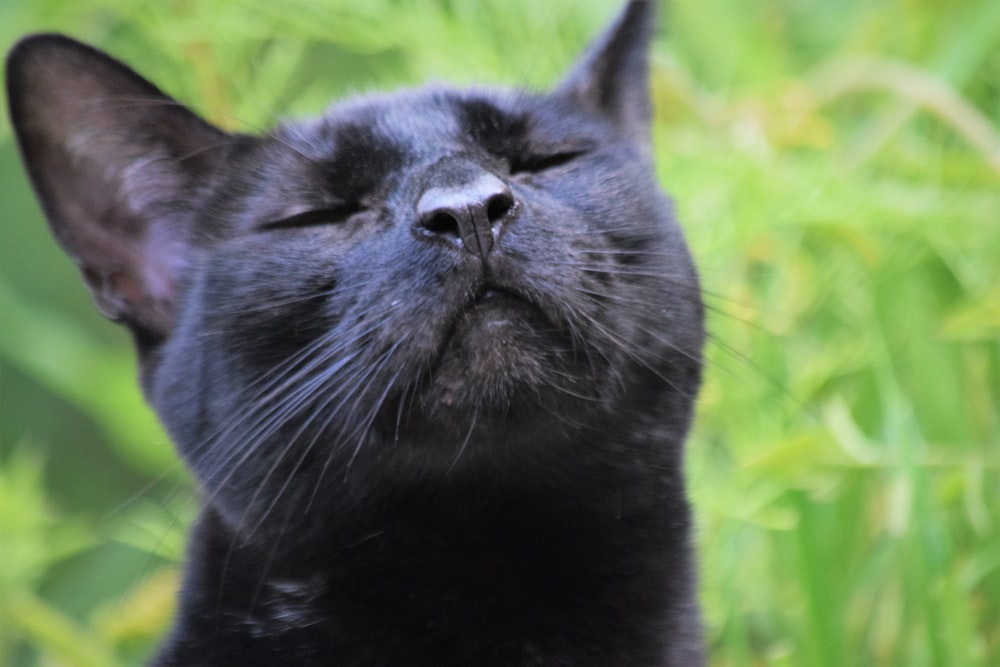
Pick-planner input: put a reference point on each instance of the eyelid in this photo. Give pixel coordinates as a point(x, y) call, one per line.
point(315, 217)
point(546, 159)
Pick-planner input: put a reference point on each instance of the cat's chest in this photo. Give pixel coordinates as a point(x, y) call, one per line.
point(527, 589)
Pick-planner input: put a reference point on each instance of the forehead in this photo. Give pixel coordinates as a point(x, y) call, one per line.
point(417, 123)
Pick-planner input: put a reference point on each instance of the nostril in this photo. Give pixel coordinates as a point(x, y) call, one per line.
point(441, 222)
point(498, 206)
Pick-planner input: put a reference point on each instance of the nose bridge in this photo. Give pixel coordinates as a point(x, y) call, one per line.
point(463, 205)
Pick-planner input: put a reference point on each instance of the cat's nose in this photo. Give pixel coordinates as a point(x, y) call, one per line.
point(470, 215)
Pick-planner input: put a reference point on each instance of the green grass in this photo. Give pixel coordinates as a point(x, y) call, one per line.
point(836, 165)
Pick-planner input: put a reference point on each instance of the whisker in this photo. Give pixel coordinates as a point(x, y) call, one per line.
point(374, 411)
point(628, 350)
point(465, 441)
point(286, 376)
point(348, 389)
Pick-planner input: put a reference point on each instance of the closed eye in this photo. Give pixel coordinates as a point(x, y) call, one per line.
point(534, 163)
point(316, 217)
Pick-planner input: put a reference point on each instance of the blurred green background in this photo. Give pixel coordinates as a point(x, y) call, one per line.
point(837, 168)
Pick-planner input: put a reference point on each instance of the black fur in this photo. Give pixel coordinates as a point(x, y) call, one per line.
point(431, 356)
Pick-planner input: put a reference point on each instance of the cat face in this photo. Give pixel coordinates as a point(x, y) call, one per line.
point(411, 285)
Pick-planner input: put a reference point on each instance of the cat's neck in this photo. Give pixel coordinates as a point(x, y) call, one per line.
point(526, 566)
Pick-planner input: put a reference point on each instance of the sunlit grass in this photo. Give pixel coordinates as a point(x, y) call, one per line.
point(835, 165)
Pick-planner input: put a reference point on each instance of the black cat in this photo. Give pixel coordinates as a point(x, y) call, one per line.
point(432, 358)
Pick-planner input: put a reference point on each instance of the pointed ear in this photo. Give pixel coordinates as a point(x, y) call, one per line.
point(117, 166)
point(612, 76)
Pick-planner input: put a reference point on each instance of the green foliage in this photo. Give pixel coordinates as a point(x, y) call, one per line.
point(837, 167)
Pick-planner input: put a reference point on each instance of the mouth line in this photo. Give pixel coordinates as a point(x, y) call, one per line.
point(492, 320)
point(492, 305)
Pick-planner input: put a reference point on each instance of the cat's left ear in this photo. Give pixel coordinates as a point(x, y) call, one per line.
point(612, 76)
point(119, 168)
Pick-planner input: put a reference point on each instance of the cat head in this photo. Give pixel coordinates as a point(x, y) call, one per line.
point(449, 264)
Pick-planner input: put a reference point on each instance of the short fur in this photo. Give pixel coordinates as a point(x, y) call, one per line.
point(431, 356)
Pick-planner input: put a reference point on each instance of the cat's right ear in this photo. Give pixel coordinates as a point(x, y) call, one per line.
point(612, 75)
point(118, 167)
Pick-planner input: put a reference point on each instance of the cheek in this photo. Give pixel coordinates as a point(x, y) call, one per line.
point(258, 305)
